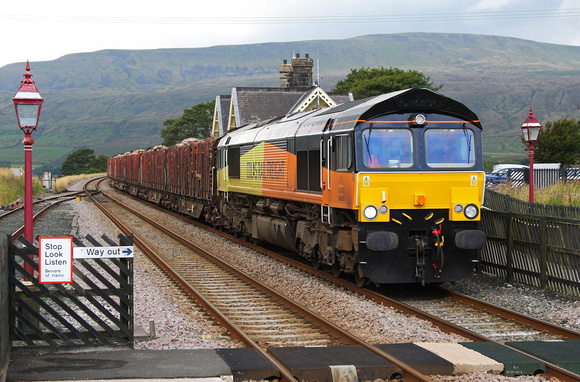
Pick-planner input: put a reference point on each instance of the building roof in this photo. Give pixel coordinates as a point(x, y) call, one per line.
point(221, 115)
point(251, 105)
point(248, 105)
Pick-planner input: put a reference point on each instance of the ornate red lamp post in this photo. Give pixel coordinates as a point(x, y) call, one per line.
point(531, 132)
point(27, 103)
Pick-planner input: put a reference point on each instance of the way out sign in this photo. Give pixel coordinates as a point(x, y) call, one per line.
point(55, 265)
point(103, 252)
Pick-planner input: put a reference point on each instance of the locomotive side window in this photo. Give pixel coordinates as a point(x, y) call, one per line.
point(342, 152)
point(234, 162)
point(449, 148)
point(387, 148)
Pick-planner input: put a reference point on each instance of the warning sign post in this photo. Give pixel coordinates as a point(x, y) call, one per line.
point(55, 263)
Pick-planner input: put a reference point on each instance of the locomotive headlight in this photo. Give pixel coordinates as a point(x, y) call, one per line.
point(458, 208)
point(417, 120)
point(370, 212)
point(420, 119)
point(471, 211)
point(383, 209)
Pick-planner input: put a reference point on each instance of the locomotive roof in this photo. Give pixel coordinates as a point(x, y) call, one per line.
point(409, 100)
point(348, 115)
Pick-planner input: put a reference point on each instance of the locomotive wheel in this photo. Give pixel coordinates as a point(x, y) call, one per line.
point(336, 271)
point(315, 263)
point(359, 278)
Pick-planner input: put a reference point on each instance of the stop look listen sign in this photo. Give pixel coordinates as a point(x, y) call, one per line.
point(55, 257)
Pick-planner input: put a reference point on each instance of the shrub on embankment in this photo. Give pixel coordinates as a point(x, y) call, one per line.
point(560, 194)
point(12, 186)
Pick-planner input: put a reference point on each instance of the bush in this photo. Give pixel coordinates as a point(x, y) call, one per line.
point(560, 194)
point(12, 187)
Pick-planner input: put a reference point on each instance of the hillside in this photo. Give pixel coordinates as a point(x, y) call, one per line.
point(116, 100)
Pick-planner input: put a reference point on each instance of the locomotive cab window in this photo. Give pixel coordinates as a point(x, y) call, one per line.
point(449, 148)
point(387, 148)
point(342, 147)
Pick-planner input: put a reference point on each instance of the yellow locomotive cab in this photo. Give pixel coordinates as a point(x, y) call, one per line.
point(419, 191)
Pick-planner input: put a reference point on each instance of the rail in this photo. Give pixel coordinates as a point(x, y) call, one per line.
point(411, 374)
point(443, 324)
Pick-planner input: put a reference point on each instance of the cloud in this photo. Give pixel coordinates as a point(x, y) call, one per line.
point(47, 30)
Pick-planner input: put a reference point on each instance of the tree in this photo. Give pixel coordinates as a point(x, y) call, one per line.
point(365, 82)
point(195, 122)
point(99, 164)
point(83, 161)
point(559, 142)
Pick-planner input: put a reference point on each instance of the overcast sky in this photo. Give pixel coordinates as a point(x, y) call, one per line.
point(41, 30)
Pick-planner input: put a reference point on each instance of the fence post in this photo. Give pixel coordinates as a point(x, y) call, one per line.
point(510, 246)
point(128, 278)
point(543, 252)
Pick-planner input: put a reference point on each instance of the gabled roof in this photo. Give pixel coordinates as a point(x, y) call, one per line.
point(220, 115)
point(316, 98)
point(341, 98)
point(252, 105)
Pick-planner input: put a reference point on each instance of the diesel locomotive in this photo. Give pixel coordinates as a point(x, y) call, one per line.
point(388, 189)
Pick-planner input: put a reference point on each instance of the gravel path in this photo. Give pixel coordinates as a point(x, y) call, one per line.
point(180, 324)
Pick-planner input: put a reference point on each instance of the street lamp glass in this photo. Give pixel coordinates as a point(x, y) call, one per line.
point(27, 114)
point(534, 133)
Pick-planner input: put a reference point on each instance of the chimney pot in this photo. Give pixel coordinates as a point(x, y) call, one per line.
point(297, 55)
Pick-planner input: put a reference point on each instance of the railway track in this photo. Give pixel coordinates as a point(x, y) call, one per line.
point(456, 313)
point(448, 310)
point(488, 320)
point(11, 220)
point(253, 312)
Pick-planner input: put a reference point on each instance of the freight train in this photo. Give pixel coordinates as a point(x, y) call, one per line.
point(388, 189)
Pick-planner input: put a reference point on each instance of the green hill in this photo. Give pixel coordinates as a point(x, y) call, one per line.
point(116, 100)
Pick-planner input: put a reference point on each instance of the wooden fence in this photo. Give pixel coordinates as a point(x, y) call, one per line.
point(95, 309)
point(500, 202)
point(532, 244)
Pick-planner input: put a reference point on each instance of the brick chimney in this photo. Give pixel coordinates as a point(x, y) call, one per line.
point(298, 74)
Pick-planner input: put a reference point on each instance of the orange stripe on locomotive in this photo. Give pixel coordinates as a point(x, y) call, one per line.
point(268, 170)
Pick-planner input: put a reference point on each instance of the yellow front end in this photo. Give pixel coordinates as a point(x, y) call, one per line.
point(419, 191)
